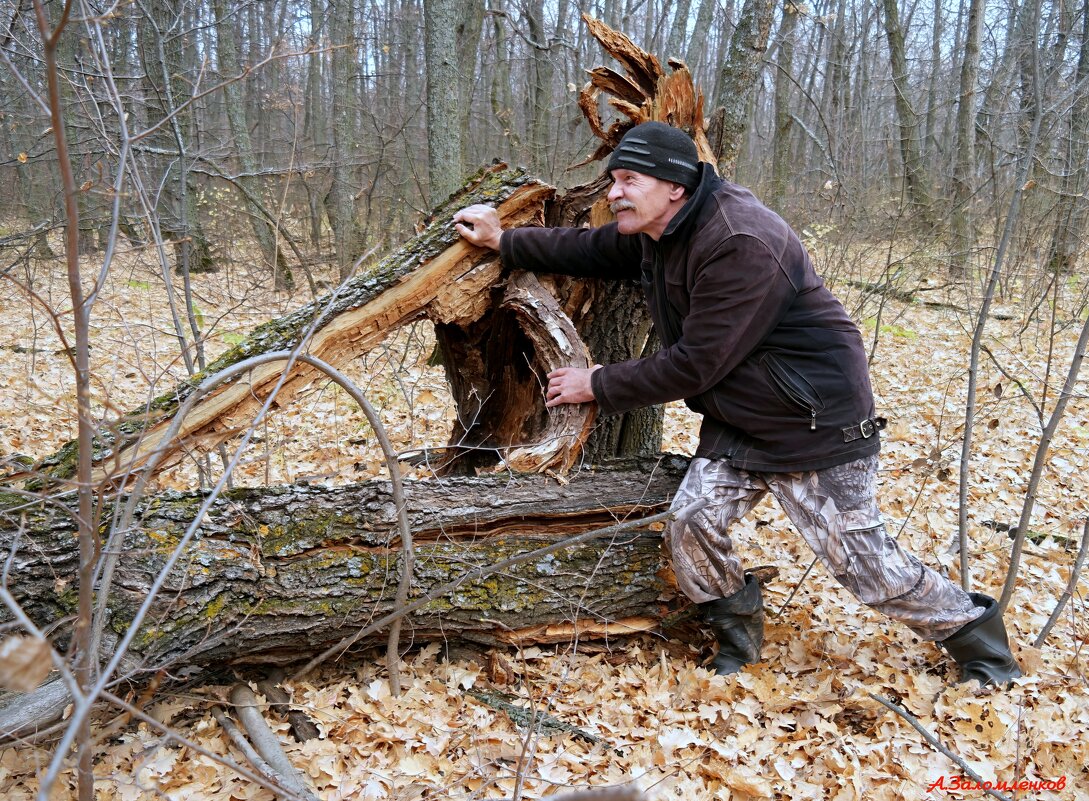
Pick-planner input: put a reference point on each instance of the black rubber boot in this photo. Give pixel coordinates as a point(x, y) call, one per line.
point(738, 624)
point(981, 647)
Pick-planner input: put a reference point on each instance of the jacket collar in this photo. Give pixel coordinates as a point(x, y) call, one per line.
point(709, 182)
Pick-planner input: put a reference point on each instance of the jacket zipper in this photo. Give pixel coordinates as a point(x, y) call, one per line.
point(784, 383)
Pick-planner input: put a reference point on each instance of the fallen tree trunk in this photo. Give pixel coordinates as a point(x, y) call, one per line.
point(279, 573)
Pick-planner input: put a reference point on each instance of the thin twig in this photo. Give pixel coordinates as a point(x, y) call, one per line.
point(797, 587)
point(625, 792)
point(484, 572)
point(1068, 593)
point(930, 738)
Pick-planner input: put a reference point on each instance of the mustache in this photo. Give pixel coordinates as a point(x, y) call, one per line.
point(621, 205)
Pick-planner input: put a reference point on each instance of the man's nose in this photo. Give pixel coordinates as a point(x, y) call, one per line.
point(614, 193)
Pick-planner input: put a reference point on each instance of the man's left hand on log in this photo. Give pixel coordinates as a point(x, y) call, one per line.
point(570, 385)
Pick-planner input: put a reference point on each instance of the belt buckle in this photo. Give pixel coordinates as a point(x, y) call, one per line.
point(866, 428)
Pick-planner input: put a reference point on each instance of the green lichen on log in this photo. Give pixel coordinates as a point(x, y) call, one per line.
point(309, 601)
point(489, 185)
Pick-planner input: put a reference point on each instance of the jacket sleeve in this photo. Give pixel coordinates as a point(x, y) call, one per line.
point(585, 252)
point(738, 296)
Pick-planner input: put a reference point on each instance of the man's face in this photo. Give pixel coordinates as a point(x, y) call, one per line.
point(643, 203)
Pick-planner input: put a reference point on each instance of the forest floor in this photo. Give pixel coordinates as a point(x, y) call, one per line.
point(799, 725)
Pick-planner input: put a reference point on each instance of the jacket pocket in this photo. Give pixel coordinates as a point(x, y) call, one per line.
point(793, 388)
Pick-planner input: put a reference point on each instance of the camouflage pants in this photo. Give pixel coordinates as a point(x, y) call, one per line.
point(836, 512)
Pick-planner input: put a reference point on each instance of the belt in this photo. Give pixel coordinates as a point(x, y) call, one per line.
point(864, 430)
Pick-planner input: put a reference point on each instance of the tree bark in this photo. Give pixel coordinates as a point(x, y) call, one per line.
point(915, 179)
point(341, 205)
point(737, 79)
point(965, 158)
point(780, 148)
point(468, 30)
point(279, 573)
point(443, 116)
point(1068, 236)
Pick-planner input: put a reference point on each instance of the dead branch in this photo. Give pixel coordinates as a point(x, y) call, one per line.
point(266, 743)
point(934, 741)
point(1068, 593)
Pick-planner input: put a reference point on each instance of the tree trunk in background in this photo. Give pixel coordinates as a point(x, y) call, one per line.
point(1069, 236)
point(964, 164)
point(737, 79)
point(500, 90)
point(346, 238)
point(617, 328)
point(1028, 56)
point(539, 97)
point(696, 55)
point(929, 147)
point(441, 19)
point(836, 90)
point(470, 24)
point(314, 122)
point(233, 101)
point(675, 44)
point(168, 80)
point(915, 180)
point(782, 168)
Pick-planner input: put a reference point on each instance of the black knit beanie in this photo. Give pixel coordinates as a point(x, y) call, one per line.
point(660, 150)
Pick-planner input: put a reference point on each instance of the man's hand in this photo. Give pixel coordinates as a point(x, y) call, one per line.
point(570, 385)
point(480, 225)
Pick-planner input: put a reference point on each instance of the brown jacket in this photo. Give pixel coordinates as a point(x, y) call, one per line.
point(752, 339)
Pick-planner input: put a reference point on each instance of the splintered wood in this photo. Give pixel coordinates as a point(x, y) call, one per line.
point(644, 93)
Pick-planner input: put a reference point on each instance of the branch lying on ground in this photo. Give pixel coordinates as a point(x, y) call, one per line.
point(266, 742)
point(302, 727)
point(1068, 593)
point(930, 738)
point(528, 718)
point(170, 734)
point(242, 744)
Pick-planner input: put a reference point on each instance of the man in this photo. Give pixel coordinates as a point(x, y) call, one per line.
point(754, 341)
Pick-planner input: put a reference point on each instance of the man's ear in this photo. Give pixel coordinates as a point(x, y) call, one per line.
point(676, 191)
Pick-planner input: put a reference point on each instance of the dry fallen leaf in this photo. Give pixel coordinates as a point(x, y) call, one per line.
point(24, 662)
point(744, 781)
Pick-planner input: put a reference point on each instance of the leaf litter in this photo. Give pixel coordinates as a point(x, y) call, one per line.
point(799, 725)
